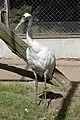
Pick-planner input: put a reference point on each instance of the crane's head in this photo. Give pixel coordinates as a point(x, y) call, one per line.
point(23, 19)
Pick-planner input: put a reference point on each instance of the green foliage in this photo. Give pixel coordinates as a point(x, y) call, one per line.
point(16, 13)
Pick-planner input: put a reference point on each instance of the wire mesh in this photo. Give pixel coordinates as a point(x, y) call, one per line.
point(51, 17)
point(1, 4)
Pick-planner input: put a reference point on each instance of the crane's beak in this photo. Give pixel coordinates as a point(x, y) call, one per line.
point(21, 21)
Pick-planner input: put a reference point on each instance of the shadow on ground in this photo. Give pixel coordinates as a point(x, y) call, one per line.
point(67, 101)
point(49, 95)
point(21, 72)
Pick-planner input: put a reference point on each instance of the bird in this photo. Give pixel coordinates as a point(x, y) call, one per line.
point(40, 58)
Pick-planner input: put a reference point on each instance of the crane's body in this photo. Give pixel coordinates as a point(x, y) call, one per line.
point(41, 61)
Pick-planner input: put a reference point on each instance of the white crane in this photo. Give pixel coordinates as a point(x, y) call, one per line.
point(40, 58)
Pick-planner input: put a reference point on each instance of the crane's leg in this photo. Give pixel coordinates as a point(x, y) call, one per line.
point(45, 88)
point(36, 85)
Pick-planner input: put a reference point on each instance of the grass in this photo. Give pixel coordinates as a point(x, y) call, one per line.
point(13, 101)
point(14, 98)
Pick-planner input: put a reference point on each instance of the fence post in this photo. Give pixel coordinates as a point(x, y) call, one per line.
point(7, 13)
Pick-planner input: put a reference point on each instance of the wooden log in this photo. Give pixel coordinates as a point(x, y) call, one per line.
point(13, 41)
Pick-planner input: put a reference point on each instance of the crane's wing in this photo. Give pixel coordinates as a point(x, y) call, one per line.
point(35, 61)
point(39, 61)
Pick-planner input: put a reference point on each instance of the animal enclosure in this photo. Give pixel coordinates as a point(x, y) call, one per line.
point(51, 17)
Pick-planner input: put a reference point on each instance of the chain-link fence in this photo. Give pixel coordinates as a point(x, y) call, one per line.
point(51, 17)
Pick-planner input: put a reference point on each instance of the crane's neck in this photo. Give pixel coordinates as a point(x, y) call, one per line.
point(29, 32)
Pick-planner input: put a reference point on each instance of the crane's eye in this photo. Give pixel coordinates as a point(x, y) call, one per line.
point(23, 16)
